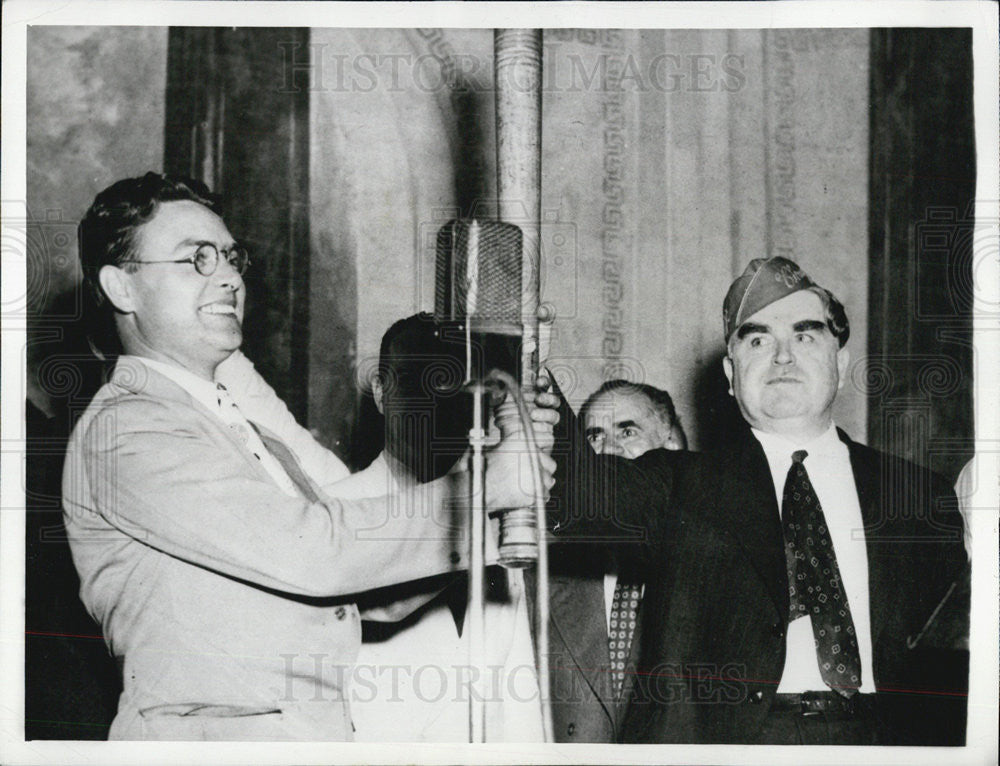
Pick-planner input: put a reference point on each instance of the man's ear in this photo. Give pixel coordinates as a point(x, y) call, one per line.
point(117, 288)
point(677, 439)
point(843, 359)
point(378, 392)
point(727, 367)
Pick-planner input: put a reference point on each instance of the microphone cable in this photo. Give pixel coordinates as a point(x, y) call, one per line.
point(542, 579)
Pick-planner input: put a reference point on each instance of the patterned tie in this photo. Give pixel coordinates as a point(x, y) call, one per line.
point(233, 418)
point(275, 466)
point(814, 585)
point(624, 609)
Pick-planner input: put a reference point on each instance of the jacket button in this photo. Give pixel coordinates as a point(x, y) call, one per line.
point(340, 612)
point(455, 557)
point(571, 729)
point(777, 629)
point(755, 698)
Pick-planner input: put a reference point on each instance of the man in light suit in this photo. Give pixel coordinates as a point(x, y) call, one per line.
point(224, 578)
point(793, 589)
point(596, 597)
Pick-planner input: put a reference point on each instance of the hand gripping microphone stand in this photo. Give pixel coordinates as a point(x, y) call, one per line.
point(513, 420)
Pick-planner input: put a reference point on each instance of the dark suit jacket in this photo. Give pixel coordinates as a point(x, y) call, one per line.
point(716, 604)
point(584, 705)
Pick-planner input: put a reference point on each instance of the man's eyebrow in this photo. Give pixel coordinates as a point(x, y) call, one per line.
point(748, 328)
point(809, 324)
point(192, 242)
point(593, 431)
point(626, 424)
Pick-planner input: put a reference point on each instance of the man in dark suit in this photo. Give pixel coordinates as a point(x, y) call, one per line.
point(793, 588)
point(595, 603)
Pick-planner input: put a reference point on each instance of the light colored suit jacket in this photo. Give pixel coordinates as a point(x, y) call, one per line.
point(259, 403)
point(228, 604)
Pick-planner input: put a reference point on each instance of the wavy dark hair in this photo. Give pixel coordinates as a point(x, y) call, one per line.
point(836, 314)
point(106, 235)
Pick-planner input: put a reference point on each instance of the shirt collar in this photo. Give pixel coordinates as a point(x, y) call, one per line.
point(380, 467)
point(203, 391)
point(781, 447)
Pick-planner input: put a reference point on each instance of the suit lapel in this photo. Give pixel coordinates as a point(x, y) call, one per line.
point(868, 480)
point(754, 519)
point(131, 374)
point(573, 605)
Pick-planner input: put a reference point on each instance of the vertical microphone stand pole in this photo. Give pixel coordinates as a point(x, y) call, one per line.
point(517, 55)
point(477, 569)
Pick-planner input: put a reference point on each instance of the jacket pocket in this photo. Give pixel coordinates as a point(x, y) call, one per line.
point(188, 722)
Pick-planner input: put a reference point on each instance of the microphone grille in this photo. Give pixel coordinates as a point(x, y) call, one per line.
point(478, 275)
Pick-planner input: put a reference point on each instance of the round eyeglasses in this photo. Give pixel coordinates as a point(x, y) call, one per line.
point(206, 259)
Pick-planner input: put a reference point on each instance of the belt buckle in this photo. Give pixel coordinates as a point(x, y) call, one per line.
point(813, 703)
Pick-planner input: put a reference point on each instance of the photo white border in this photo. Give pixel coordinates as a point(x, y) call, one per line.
point(981, 16)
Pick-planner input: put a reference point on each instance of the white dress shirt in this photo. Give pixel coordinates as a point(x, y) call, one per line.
point(411, 687)
point(829, 467)
point(207, 393)
point(974, 473)
point(610, 583)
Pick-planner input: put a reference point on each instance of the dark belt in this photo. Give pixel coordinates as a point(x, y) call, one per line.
point(811, 703)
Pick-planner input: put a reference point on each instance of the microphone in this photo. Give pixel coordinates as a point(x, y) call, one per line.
point(477, 299)
point(478, 275)
point(477, 293)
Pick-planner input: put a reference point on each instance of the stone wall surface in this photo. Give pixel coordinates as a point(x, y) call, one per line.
point(670, 158)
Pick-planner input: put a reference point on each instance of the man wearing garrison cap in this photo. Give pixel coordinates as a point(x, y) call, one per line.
point(796, 580)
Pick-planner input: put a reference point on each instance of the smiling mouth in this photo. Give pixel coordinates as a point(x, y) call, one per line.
point(219, 308)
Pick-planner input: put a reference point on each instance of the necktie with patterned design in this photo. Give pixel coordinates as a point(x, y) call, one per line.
point(814, 585)
point(624, 609)
point(233, 418)
point(273, 461)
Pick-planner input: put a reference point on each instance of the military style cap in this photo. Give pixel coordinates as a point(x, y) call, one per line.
point(764, 281)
